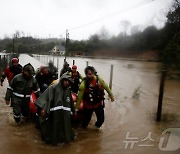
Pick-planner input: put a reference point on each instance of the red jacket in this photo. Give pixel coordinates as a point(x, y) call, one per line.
point(10, 72)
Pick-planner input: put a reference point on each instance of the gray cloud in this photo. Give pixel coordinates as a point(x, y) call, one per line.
point(44, 17)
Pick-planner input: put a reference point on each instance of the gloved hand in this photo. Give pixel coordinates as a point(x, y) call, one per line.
point(76, 110)
point(43, 113)
point(7, 102)
point(45, 86)
point(112, 98)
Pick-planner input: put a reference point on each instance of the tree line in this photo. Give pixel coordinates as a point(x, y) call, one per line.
point(165, 40)
point(27, 45)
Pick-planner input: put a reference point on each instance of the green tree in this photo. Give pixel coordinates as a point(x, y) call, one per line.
point(170, 56)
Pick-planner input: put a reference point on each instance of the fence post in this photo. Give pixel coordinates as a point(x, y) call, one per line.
point(111, 77)
point(57, 63)
point(161, 93)
point(53, 60)
point(4, 61)
point(44, 61)
point(1, 66)
point(8, 58)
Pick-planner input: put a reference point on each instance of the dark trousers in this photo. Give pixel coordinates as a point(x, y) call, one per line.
point(75, 88)
point(99, 111)
point(20, 106)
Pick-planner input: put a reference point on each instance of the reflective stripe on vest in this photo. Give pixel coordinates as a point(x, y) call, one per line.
point(37, 90)
point(10, 88)
point(15, 116)
point(21, 95)
point(59, 108)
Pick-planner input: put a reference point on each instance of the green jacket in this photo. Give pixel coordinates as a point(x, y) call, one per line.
point(21, 87)
point(82, 89)
point(58, 104)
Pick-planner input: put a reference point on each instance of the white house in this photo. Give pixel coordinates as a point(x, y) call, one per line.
point(58, 50)
point(3, 51)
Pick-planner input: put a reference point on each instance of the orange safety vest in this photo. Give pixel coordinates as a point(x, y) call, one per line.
point(94, 94)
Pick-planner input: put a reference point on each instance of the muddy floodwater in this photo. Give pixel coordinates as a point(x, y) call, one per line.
point(129, 126)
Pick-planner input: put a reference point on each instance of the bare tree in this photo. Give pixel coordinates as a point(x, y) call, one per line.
point(125, 25)
point(104, 34)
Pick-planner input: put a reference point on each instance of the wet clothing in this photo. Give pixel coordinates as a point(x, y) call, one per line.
point(44, 80)
point(54, 71)
point(99, 111)
point(65, 69)
point(58, 105)
point(76, 76)
point(92, 93)
point(19, 92)
point(10, 72)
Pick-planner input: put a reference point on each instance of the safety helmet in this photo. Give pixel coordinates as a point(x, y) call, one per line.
point(14, 60)
point(74, 67)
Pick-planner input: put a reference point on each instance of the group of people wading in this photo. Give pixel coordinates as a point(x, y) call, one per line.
point(55, 105)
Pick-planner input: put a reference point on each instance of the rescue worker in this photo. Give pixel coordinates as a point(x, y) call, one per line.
point(91, 91)
point(65, 68)
point(53, 69)
point(76, 76)
point(44, 78)
point(55, 109)
point(19, 92)
point(12, 70)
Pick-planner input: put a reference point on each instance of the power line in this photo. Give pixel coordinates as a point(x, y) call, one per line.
point(114, 14)
point(111, 15)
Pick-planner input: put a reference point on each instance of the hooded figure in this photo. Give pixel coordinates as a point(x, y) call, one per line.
point(44, 78)
point(65, 68)
point(19, 92)
point(53, 69)
point(55, 110)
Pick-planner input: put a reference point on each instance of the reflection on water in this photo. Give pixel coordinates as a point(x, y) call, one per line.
point(126, 114)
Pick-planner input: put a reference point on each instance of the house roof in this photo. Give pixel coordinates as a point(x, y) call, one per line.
point(60, 47)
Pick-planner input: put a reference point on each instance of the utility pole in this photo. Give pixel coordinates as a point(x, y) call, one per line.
point(66, 46)
point(13, 44)
point(14, 36)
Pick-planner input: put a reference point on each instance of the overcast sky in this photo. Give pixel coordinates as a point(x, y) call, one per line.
point(50, 18)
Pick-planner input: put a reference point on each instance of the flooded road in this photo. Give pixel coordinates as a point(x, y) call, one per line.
point(129, 126)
